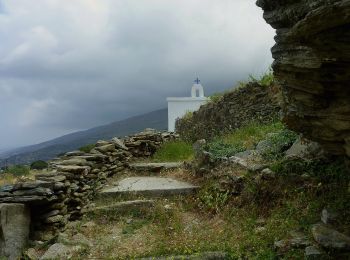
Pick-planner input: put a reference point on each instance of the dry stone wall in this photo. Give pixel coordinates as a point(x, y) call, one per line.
point(312, 64)
point(63, 194)
point(235, 109)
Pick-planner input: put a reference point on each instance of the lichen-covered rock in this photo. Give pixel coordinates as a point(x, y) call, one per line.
point(330, 238)
point(314, 253)
point(305, 149)
point(329, 216)
point(60, 251)
point(312, 65)
point(119, 143)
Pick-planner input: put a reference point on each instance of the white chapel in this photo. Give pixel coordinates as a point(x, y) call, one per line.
point(179, 106)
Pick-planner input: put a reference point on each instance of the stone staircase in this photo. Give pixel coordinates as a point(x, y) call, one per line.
point(140, 193)
point(155, 167)
point(127, 206)
point(149, 186)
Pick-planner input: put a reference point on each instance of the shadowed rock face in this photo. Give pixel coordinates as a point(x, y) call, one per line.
point(312, 65)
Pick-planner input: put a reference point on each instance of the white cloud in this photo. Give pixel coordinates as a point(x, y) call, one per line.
point(35, 112)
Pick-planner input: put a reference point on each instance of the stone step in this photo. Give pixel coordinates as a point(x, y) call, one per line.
point(149, 186)
point(155, 167)
point(123, 207)
point(199, 256)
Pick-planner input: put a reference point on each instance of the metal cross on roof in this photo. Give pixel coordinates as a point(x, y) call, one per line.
point(197, 81)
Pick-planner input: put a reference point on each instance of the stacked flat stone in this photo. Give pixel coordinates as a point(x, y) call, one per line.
point(146, 143)
point(46, 199)
point(63, 194)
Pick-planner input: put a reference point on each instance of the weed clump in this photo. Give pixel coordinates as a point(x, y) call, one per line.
point(213, 198)
point(265, 80)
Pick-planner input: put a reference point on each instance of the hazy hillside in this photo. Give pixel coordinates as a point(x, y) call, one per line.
point(48, 150)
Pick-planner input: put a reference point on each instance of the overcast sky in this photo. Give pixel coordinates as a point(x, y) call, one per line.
point(67, 65)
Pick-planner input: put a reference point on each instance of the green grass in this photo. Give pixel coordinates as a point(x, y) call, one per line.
point(174, 151)
point(216, 220)
point(242, 139)
point(249, 135)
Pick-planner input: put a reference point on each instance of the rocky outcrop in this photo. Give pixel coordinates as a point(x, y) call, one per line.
point(63, 194)
point(312, 65)
point(251, 103)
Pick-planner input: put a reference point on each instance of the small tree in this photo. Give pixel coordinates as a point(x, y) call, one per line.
point(39, 165)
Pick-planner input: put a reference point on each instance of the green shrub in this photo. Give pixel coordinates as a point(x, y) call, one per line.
point(220, 149)
point(18, 170)
point(39, 165)
point(276, 144)
point(324, 171)
point(174, 151)
point(87, 148)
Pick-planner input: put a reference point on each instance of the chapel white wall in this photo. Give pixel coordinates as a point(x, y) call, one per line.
point(178, 107)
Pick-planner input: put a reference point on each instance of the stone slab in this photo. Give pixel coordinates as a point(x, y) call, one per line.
point(150, 186)
point(199, 256)
point(124, 206)
point(14, 229)
point(154, 167)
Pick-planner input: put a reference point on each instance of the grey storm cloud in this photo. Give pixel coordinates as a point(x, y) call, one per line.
point(69, 65)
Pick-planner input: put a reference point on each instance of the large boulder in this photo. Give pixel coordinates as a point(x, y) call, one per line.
point(14, 230)
point(312, 65)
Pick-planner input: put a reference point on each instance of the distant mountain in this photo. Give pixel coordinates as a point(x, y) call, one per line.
point(47, 150)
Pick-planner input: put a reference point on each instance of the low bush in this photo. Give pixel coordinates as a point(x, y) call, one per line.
point(323, 170)
point(174, 151)
point(277, 143)
point(87, 148)
point(220, 149)
point(39, 165)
